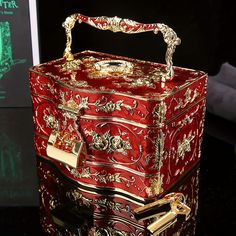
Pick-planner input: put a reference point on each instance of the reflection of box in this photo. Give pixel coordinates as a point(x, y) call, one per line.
point(17, 179)
point(65, 206)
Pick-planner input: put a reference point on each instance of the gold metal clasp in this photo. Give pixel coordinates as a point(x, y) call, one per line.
point(66, 149)
point(66, 144)
point(165, 211)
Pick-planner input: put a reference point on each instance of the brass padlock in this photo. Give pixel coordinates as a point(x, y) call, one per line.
point(67, 146)
point(73, 156)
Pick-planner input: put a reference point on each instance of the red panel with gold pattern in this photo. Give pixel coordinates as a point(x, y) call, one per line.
point(140, 137)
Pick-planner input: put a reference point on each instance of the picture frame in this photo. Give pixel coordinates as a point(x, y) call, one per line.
point(19, 50)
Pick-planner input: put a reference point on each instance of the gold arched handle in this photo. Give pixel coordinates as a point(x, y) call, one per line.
point(117, 24)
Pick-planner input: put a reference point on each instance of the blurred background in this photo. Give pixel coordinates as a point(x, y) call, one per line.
point(206, 29)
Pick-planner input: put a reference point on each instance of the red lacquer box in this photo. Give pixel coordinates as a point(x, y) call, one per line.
point(111, 123)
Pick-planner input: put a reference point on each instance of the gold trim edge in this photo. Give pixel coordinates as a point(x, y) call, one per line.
point(160, 98)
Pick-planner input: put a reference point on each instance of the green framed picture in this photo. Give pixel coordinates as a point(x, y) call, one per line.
point(19, 50)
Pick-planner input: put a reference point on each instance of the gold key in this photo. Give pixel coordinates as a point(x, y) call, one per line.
point(165, 211)
point(178, 208)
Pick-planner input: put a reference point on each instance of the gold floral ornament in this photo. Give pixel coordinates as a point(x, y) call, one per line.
point(72, 106)
point(107, 106)
point(107, 142)
point(101, 176)
point(190, 96)
point(185, 145)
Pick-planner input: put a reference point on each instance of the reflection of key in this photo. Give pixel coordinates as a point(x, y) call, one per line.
point(166, 211)
point(161, 206)
point(177, 209)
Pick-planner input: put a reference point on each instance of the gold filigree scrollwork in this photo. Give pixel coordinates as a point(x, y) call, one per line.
point(75, 195)
point(114, 206)
point(155, 186)
point(44, 86)
point(71, 106)
point(109, 232)
point(159, 148)
point(188, 119)
point(107, 142)
point(53, 202)
point(185, 145)
point(80, 83)
point(78, 197)
point(112, 23)
point(157, 182)
point(51, 122)
point(144, 81)
point(84, 174)
point(109, 106)
point(138, 82)
point(48, 199)
point(102, 176)
point(160, 112)
point(107, 204)
point(70, 65)
point(49, 228)
point(190, 96)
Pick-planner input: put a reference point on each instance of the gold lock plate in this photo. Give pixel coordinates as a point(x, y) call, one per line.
point(70, 156)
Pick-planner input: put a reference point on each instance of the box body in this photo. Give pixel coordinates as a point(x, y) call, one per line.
point(140, 137)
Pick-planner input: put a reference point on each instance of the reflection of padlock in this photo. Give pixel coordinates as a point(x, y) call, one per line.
point(166, 211)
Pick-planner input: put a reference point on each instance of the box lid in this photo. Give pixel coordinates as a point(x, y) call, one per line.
point(102, 72)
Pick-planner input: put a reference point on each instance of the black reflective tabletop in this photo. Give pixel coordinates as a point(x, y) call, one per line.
point(216, 198)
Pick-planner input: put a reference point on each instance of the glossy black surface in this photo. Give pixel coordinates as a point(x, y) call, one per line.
point(217, 198)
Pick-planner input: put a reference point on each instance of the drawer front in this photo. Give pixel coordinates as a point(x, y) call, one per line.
point(139, 161)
